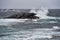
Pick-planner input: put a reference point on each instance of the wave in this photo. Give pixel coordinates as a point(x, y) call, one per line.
point(42, 13)
point(30, 34)
point(8, 22)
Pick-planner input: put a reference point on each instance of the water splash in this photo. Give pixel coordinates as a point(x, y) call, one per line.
point(42, 13)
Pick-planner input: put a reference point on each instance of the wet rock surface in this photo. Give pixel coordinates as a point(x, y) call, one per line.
point(23, 16)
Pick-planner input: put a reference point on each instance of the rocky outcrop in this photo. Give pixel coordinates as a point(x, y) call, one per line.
point(23, 16)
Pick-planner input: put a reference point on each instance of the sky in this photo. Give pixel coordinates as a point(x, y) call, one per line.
point(29, 4)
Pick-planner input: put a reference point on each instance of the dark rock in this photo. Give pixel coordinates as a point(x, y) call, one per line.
point(24, 16)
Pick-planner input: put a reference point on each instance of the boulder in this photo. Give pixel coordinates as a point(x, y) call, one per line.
point(23, 16)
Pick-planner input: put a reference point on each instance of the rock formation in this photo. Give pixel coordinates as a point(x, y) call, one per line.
point(23, 16)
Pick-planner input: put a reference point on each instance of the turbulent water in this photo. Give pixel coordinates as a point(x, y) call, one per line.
point(44, 28)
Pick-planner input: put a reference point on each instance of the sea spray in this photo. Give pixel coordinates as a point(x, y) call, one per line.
point(42, 13)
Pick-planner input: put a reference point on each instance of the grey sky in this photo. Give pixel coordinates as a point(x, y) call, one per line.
point(28, 4)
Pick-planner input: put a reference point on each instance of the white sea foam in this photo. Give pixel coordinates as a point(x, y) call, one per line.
point(7, 22)
point(11, 21)
point(56, 27)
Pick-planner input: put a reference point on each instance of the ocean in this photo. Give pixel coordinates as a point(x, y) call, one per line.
point(45, 28)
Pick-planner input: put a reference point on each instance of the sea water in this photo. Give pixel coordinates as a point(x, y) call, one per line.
point(36, 29)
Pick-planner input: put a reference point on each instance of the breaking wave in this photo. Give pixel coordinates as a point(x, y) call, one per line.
point(42, 13)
